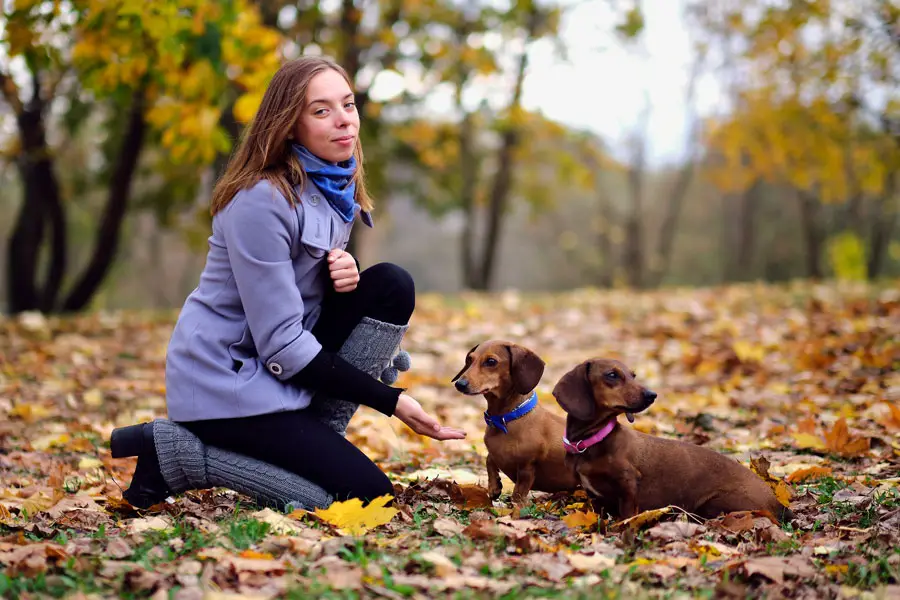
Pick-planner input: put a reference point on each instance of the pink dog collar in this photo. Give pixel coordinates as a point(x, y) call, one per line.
point(582, 445)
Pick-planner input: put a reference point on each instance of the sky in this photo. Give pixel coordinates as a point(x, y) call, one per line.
point(603, 84)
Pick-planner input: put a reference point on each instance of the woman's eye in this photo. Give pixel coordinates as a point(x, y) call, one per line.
point(490, 362)
point(320, 112)
point(350, 104)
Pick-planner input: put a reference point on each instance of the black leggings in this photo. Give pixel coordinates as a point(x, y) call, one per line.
point(296, 441)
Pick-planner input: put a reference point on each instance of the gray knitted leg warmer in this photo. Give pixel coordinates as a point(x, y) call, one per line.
point(370, 348)
point(188, 464)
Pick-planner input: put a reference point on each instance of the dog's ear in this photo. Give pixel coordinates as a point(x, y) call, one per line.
point(525, 368)
point(575, 394)
point(465, 366)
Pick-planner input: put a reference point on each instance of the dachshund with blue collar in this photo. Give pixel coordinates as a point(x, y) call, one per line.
point(522, 437)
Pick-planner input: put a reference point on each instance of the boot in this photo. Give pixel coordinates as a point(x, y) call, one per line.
point(370, 347)
point(172, 460)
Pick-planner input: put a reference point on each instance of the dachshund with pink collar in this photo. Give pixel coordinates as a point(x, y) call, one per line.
point(626, 472)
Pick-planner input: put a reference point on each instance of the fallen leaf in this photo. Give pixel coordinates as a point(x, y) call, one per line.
point(356, 519)
point(591, 563)
point(578, 519)
point(644, 518)
point(447, 527)
point(808, 441)
point(148, 524)
point(674, 530)
point(840, 441)
point(443, 566)
point(776, 567)
point(809, 473)
point(472, 496)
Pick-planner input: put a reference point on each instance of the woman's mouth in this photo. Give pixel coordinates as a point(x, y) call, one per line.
point(346, 140)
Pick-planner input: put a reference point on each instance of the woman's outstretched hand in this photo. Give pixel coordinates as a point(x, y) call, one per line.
point(411, 412)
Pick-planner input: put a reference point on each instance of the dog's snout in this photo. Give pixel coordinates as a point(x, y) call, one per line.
point(462, 384)
point(649, 396)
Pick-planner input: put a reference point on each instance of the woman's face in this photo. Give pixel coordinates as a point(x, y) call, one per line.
point(328, 123)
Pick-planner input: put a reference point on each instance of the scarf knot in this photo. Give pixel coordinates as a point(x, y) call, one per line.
point(335, 181)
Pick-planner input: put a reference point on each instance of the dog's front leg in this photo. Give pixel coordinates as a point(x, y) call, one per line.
point(524, 481)
point(494, 485)
point(628, 493)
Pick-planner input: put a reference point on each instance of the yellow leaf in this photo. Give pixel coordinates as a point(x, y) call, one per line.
point(89, 462)
point(246, 106)
point(578, 519)
point(748, 352)
point(352, 517)
point(93, 397)
point(644, 518)
point(45, 442)
point(808, 441)
point(5, 515)
point(783, 493)
point(254, 555)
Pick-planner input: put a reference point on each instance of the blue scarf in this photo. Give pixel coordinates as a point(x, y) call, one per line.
point(334, 180)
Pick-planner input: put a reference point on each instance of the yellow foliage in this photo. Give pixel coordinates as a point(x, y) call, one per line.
point(789, 125)
point(847, 256)
point(356, 519)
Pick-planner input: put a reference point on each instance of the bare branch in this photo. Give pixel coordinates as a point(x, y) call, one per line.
point(11, 93)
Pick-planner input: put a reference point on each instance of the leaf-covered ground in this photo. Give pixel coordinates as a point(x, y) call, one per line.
point(800, 380)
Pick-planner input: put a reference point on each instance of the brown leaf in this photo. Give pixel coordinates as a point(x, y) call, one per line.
point(674, 530)
point(447, 527)
point(119, 548)
point(776, 567)
point(471, 496)
point(840, 441)
point(482, 530)
point(738, 522)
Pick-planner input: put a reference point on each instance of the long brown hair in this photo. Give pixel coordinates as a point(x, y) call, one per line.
point(264, 150)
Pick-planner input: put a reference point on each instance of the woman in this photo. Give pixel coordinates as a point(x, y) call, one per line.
point(283, 337)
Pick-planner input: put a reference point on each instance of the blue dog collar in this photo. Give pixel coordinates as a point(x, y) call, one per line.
point(520, 411)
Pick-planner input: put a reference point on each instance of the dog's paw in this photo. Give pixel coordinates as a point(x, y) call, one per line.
point(519, 501)
point(494, 492)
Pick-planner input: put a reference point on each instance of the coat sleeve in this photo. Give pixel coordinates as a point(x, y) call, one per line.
point(258, 226)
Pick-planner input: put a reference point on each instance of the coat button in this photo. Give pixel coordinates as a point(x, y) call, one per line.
point(275, 369)
point(315, 199)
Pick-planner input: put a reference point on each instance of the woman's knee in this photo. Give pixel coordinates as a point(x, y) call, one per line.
point(373, 486)
point(397, 290)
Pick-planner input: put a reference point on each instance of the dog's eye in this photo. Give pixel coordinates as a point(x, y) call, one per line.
point(490, 361)
point(612, 375)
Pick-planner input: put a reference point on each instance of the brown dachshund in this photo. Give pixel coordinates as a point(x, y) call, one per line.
point(626, 471)
point(522, 437)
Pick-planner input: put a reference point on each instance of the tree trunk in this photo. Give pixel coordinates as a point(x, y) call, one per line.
point(747, 232)
point(605, 275)
point(810, 215)
point(468, 172)
point(634, 259)
point(40, 204)
point(669, 225)
point(883, 223)
point(503, 178)
point(107, 239)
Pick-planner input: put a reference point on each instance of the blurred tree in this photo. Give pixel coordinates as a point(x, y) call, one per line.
point(817, 109)
point(159, 72)
point(492, 155)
